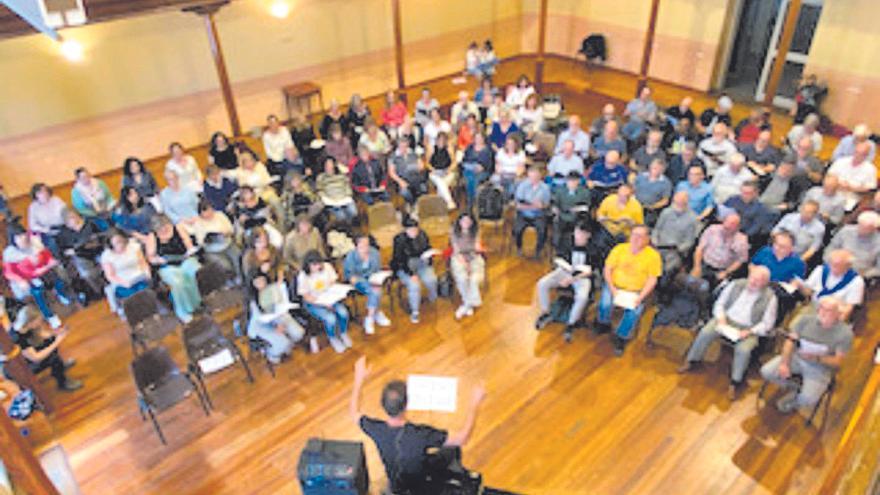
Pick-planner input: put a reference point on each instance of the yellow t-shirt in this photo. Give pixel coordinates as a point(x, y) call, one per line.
point(610, 209)
point(631, 271)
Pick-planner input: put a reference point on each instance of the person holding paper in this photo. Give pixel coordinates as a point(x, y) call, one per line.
point(785, 267)
point(863, 241)
point(467, 264)
point(532, 198)
point(316, 277)
point(744, 312)
point(575, 272)
point(815, 351)
point(631, 272)
point(269, 315)
point(360, 267)
point(806, 228)
point(569, 202)
point(411, 261)
point(675, 232)
point(619, 212)
point(170, 249)
point(404, 446)
point(835, 278)
point(722, 250)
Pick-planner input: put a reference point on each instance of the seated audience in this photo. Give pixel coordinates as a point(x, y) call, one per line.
point(761, 156)
point(716, 150)
point(847, 144)
point(358, 115)
point(269, 316)
point(748, 130)
point(334, 117)
point(785, 268)
point(510, 165)
point(755, 219)
point(730, 177)
point(252, 173)
point(640, 112)
point(826, 331)
point(647, 153)
point(435, 126)
point(222, 153)
point(620, 212)
point(338, 147)
point(133, 215)
point(214, 233)
point(719, 114)
point(609, 114)
point(607, 172)
point(855, 174)
point(135, 175)
point(609, 140)
point(301, 240)
point(809, 129)
point(466, 264)
point(722, 250)
point(785, 189)
point(297, 199)
point(502, 129)
point(316, 277)
point(368, 178)
point(675, 232)
point(375, 140)
point(45, 215)
point(394, 112)
point(261, 254)
point(832, 203)
point(462, 109)
point(80, 242)
point(334, 191)
point(30, 268)
point(680, 164)
point(530, 117)
point(517, 94)
point(360, 264)
point(532, 197)
point(632, 267)
point(185, 166)
point(251, 211)
point(91, 197)
point(125, 268)
point(467, 132)
point(179, 203)
point(863, 241)
point(276, 140)
point(488, 59)
point(681, 111)
point(477, 165)
point(564, 163)
point(574, 249)
point(218, 189)
point(836, 278)
point(749, 306)
point(805, 227)
point(170, 249)
point(699, 192)
point(443, 168)
point(570, 202)
point(423, 107)
point(40, 348)
point(677, 137)
point(653, 189)
point(411, 261)
point(806, 161)
point(576, 135)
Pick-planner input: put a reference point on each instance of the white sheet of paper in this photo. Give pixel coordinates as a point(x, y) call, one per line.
point(788, 287)
point(380, 277)
point(730, 332)
point(626, 299)
point(429, 253)
point(561, 263)
point(850, 204)
point(278, 310)
point(810, 347)
point(216, 362)
point(333, 294)
point(431, 393)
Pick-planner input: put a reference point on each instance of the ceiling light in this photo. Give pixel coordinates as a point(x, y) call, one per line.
point(279, 9)
point(72, 50)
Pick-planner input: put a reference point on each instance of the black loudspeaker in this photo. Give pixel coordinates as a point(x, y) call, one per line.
point(332, 467)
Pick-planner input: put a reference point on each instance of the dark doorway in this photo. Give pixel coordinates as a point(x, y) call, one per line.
point(756, 22)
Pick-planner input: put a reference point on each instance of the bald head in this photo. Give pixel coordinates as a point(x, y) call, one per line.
point(612, 158)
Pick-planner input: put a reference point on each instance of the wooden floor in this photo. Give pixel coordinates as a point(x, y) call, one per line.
point(559, 418)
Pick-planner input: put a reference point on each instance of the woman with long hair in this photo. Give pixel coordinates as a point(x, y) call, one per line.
point(467, 264)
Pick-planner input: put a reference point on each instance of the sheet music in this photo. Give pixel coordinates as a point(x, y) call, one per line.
point(809, 347)
point(431, 393)
point(333, 294)
point(277, 311)
point(429, 253)
point(626, 299)
point(379, 277)
point(216, 362)
point(788, 287)
point(729, 332)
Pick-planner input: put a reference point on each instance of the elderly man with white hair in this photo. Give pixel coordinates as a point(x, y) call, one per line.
point(805, 227)
point(847, 145)
point(575, 134)
point(856, 173)
point(810, 129)
point(719, 114)
point(730, 177)
point(716, 149)
point(832, 203)
point(863, 241)
point(463, 108)
point(744, 312)
point(835, 278)
point(814, 350)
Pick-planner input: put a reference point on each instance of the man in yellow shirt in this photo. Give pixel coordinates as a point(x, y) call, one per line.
point(631, 272)
point(619, 212)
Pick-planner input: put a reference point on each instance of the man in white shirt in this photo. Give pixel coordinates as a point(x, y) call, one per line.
point(729, 178)
point(835, 278)
point(749, 306)
point(847, 145)
point(276, 139)
point(806, 228)
point(855, 174)
point(832, 203)
point(462, 109)
point(716, 150)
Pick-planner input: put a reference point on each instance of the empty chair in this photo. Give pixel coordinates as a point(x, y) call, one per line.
point(218, 294)
point(145, 319)
point(433, 215)
point(161, 385)
point(383, 223)
point(209, 351)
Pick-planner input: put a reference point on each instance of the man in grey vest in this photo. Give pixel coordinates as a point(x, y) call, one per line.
point(745, 311)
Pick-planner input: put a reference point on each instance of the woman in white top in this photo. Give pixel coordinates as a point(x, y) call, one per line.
point(516, 95)
point(270, 320)
point(315, 278)
point(185, 166)
point(435, 126)
point(510, 164)
point(472, 60)
point(530, 117)
point(375, 140)
point(488, 59)
point(46, 215)
point(124, 267)
point(179, 203)
point(214, 232)
point(252, 173)
point(276, 140)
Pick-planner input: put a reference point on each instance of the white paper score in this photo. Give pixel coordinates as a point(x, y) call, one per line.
point(431, 393)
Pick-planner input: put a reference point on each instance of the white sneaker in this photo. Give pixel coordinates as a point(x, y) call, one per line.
point(369, 328)
point(186, 318)
point(346, 340)
point(382, 320)
point(337, 345)
point(54, 321)
point(313, 345)
point(414, 317)
point(63, 299)
point(470, 311)
point(461, 312)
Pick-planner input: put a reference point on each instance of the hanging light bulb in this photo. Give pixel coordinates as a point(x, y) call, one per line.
point(72, 50)
point(279, 9)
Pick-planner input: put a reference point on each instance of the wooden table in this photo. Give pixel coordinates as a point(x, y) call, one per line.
point(300, 95)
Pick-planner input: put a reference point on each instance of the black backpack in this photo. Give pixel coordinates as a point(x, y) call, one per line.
point(490, 202)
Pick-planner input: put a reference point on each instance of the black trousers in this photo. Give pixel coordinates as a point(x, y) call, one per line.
point(54, 363)
point(539, 223)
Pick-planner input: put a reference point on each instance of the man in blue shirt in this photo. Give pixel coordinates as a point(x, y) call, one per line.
point(609, 140)
point(532, 198)
point(607, 173)
point(699, 192)
point(757, 220)
point(785, 266)
point(576, 135)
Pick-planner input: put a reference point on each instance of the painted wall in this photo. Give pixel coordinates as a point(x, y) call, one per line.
point(844, 53)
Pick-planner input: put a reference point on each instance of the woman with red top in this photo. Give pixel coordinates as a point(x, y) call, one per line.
point(466, 132)
point(394, 113)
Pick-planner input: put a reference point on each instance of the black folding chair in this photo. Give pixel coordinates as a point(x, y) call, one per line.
point(217, 293)
point(146, 320)
point(162, 385)
point(825, 397)
point(209, 351)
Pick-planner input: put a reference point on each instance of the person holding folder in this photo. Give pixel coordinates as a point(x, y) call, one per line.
point(315, 283)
